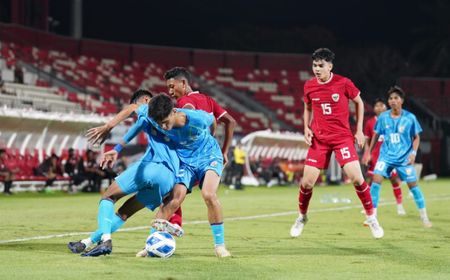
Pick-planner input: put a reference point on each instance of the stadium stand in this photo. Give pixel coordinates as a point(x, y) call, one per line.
point(108, 72)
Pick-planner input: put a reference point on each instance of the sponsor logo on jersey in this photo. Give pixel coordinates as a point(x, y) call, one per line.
point(310, 159)
point(408, 171)
point(213, 164)
point(167, 139)
point(335, 97)
point(153, 132)
point(316, 99)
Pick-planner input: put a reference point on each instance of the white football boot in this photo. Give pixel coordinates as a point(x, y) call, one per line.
point(142, 254)
point(164, 225)
point(221, 251)
point(297, 227)
point(401, 210)
point(375, 228)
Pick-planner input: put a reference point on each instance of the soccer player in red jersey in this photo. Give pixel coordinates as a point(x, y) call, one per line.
point(379, 107)
point(327, 96)
point(178, 81)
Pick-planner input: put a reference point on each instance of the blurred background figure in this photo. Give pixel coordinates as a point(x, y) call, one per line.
point(6, 172)
point(49, 168)
point(237, 167)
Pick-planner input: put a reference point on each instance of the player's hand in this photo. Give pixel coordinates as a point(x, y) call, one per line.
point(411, 159)
point(108, 159)
point(225, 160)
point(360, 139)
point(308, 135)
point(98, 134)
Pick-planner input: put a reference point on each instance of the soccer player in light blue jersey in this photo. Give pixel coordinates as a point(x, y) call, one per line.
point(401, 130)
point(201, 160)
point(151, 178)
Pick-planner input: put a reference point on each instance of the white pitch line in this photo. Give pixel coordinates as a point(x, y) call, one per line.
point(441, 198)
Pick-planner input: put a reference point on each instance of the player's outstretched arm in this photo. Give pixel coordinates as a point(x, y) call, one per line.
point(98, 134)
point(359, 135)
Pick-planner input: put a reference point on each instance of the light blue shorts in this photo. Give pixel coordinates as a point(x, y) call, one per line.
point(151, 181)
point(190, 175)
point(407, 173)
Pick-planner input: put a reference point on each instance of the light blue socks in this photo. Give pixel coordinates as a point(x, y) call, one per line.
point(117, 223)
point(418, 197)
point(375, 193)
point(218, 234)
point(105, 216)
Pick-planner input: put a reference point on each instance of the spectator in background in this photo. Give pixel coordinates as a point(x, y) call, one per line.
point(239, 161)
point(2, 86)
point(229, 169)
point(18, 75)
point(6, 172)
point(92, 172)
point(50, 169)
point(71, 168)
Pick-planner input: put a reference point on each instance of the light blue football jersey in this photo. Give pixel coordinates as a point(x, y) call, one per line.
point(194, 139)
point(398, 136)
point(160, 148)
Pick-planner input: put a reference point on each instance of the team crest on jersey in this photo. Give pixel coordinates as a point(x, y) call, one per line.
point(166, 138)
point(335, 97)
point(153, 132)
point(401, 128)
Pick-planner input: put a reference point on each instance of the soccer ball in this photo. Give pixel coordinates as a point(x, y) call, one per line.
point(160, 244)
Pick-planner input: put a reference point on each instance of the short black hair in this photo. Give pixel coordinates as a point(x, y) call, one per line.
point(138, 94)
point(160, 107)
point(178, 72)
point(323, 53)
point(398, 90)
point(378, 99)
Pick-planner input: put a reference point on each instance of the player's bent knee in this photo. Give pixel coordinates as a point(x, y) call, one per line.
point(209, 197)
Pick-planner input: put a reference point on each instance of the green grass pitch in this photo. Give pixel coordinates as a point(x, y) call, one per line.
point(334, 244)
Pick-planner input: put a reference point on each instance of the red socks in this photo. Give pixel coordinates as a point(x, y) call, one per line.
point(397, 192)
point(177, 217)
point(304, 197)
point(363, 192)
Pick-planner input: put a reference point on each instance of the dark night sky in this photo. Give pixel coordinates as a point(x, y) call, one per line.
point(208, 24)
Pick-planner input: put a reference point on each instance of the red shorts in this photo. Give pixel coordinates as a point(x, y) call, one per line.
point(319, 153)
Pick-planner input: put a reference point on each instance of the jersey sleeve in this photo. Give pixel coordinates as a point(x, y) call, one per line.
point(181, 102)
point(200, 118)
point(142, 110)
point(351, 91)
point(135, 129)
point(306, 97)
point(218, 111)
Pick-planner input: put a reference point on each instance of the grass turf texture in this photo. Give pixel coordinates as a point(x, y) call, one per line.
point(334, 244)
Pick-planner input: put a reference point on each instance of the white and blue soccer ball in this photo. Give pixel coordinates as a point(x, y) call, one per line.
point(160, 244)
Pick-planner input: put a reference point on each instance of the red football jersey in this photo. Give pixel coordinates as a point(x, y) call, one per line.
point(202, 102)
point(330, 106)
point(369, 132)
